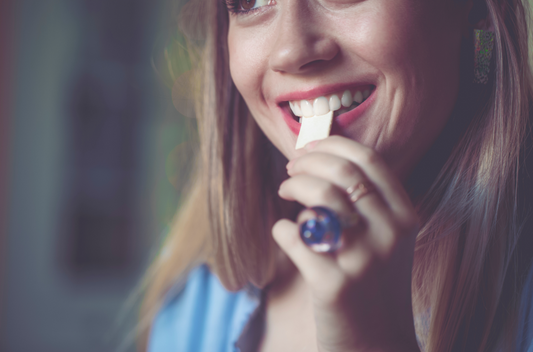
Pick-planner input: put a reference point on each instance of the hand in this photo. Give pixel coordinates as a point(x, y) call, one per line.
point(362, 292)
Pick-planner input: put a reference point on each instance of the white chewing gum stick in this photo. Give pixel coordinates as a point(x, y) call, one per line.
point(314, 128)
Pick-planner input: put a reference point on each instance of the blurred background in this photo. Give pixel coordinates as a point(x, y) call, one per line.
point(90, 147)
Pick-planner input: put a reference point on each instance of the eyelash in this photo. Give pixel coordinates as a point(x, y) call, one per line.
point(235, 8)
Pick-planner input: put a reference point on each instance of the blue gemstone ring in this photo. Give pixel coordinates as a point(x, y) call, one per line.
point(323, 232)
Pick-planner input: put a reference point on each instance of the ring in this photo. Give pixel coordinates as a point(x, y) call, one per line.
point(359, 190)
point(323, 232)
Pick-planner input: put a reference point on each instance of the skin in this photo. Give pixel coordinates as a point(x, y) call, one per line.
point(358, 299)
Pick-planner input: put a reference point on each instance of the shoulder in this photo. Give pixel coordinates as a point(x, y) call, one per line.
point(199, 315)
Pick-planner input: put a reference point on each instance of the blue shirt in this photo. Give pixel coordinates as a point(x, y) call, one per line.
point(202, 316)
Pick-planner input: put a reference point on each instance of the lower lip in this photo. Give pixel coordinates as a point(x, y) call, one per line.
point(342, 121)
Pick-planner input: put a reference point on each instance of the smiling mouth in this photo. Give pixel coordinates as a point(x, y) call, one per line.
point(339, 103)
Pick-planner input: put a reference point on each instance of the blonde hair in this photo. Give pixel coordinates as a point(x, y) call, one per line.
point(470, 214)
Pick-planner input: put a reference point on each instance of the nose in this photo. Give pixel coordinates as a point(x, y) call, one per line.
point(301, 44)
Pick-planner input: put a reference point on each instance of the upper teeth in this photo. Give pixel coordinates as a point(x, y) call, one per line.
point(323, 105)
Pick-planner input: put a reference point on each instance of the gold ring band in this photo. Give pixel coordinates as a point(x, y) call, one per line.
point(359, 190)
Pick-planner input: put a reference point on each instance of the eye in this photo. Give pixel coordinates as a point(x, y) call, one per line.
point(247, 4)
point(244, 6)
point(252, 4)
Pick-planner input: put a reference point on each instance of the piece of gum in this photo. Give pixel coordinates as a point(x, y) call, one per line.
point(314, 128)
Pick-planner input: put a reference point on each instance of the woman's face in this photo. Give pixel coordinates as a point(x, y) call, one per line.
point(400, 56)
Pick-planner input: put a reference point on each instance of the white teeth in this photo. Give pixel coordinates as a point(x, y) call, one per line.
point(346, 99)
point(320, 106)
point(307, 108)
point(358, 97)
point(334, 103)
point(295, 109)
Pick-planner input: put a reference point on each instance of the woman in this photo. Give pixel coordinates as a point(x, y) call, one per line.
point(437, 140)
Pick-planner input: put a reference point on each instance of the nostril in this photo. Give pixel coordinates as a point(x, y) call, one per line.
point(311, 64)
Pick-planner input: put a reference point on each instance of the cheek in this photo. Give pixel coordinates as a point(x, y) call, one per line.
point(248, 64)
point(416, 50)
point(403, 39)
point(388, 40)
point(245, 62)
point(417, 54)
point(391, 47)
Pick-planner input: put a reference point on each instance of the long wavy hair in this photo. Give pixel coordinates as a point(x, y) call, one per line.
point(467, 273)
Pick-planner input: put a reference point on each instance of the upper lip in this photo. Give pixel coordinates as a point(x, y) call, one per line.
point(312, 93)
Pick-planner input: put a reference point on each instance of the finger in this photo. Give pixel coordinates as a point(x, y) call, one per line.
point(355, 259)
point(344, 174)
point(374, 212)
point(340, 171)
point(318, 269)
point(306, 214)
point(312, 191)
point(384, 222)
point(372, 165)
point(366, 238)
